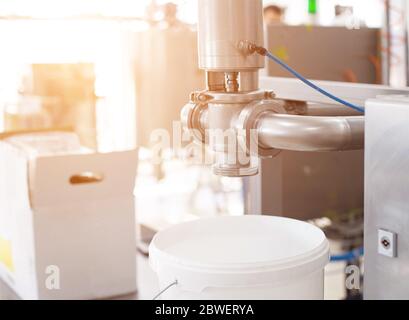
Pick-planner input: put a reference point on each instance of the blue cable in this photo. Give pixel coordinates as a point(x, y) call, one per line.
point(348, 256)
point(312, 85)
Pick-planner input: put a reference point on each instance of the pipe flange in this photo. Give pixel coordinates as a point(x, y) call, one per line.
point(190, 116)
point(237, 97)
point(246, 126)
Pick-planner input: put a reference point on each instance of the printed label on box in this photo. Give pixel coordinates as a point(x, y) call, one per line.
point(6, 257)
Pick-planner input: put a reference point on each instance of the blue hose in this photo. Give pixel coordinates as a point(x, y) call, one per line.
point(312, 85)
point(348, 256)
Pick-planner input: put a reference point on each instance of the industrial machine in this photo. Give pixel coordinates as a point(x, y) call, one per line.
point(387, 198)
point(244, 120)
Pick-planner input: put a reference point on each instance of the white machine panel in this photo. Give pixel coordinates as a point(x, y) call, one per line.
point(387, 198)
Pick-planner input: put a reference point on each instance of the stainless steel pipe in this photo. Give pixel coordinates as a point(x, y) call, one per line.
point(322, 109)
point(316, 109)
point(309, 133)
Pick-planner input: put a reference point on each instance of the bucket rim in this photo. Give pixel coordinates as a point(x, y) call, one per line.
point(319, 255)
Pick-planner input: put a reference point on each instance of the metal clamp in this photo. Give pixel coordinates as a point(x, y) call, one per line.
point(246, 126)
point(190, 116)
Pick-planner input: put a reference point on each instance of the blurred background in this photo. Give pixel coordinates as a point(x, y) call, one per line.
point(57, 55)
point(115, 70)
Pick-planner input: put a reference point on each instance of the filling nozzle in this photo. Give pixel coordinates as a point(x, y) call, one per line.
point(232, 165)
point(231, 153)
point(224, 120)
point(232, 78)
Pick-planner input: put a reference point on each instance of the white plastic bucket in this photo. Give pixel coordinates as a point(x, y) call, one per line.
point(244, 257)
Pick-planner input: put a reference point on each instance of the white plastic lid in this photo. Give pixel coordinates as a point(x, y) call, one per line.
point(219, 251)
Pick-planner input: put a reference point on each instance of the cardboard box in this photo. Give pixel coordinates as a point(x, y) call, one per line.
point(67, 223)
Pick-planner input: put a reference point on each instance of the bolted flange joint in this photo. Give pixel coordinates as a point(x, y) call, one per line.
point(192, 114)
point(247, 126)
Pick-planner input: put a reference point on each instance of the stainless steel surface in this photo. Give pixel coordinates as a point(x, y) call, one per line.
point(222, 25)
point(356, 93)
point(307, 133)
point(232, 79)
point(322, 109)
point(231, 157)
point(305, 108)
point(204, 120)
point(232, 82)
point(248, 81)
point(194, 119)
point(245, 97)
point(215, 81)
point(246, 126)
point(387, 196)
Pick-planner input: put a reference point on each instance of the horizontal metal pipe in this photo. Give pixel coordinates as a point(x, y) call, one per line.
point(322, 109)
point(308, 133)
point(356, 93)
point(316, 109)
point(306, 109)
